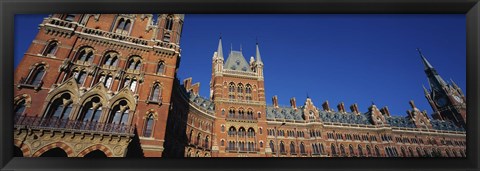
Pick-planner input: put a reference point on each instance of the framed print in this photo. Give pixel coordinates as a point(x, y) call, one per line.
point(324, 85)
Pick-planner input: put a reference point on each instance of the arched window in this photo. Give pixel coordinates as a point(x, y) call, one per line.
point(251, 132)
point(222, 128)
point(231, 113)
point(322, 149)
point(119, 113)
point(50, 49)
point(448, 153)
point(272, 146)
point(360, 151)
point(60, 108)
point(190, 136)
point(205, 144)
point(123, 26)
point(342, 150)
point(352, 152)
point(377, 152)
point(111, 59)
point(419, 152)
point(232, 131)
point(36, 76)
point(334, 150)
point(134, 63)
point(240, 88)
point(261, 144)
point(91, 110)
point(282, 147)
point(156, 93)
point(292, 148)
point(19, 108)
point(369, 151)
point(160, 68)
point(222, 142)
point(85, 54)
point(197, 141)
point(241, 114)
point(169, 23)
point(241, 132)
point(148, 128)
point(404, 153)
point(302, 148)
point(410, 151)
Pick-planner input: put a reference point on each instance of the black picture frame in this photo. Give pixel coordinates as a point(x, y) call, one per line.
point(8, 8)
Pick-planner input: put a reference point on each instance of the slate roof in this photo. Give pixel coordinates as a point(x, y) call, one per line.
point(204, 103)
point(445, 125)
point(351, 118)
point(237, 62)
point(284, 113)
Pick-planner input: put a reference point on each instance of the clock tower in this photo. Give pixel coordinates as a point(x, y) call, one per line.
point(447, 100)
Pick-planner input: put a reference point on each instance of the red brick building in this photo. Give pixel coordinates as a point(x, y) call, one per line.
point(105, 85)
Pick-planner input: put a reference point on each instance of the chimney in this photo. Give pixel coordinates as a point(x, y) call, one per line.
point(293, 103)
point(195, 88)
point(325, 106)
point(385, 111)
point(187, 83)
point(341, 107)
point(275, 101)
point(354, 108)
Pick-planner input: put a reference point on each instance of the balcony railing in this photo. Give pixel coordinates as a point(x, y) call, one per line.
point(35, 122)
point(26, 83)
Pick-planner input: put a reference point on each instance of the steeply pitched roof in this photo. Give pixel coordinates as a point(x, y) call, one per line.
point(237, 62)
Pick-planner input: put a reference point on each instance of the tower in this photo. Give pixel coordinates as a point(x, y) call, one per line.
point(105, 80)
point(237, 90)
point(447, 100)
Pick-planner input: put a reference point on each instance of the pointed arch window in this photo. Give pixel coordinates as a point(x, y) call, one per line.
point(377, 151)
point(282, 147)
point(334, 150)
point(160, 68)
point(50, 49)
point(119, 113)
point(36, 76)
point(85, 54)
point(302, 148)
point(360, 150)
point(20, 108)
point(133, 85)
point(91, 110)
point(148, 128)
point(123, 26)
point(111, 59)
point(169, 23)
point(369, 151)
point(156, 93)
point(292, 148)
point(80, 76)
point(272, 146)
point(60, 108)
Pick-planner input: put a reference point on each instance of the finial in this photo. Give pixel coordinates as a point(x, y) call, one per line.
point(308, 95)
point(419, 51)
point(220, 35)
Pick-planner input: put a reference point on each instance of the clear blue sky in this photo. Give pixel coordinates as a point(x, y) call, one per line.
point(339, 58)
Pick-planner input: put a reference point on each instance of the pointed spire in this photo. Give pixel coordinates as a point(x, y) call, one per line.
point(425, 89)
point(259, 58)
point(425, 61)
point(219, 49)
point(454, 84)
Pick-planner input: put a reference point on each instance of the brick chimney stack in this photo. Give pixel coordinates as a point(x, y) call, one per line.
point(341, 107)
point(385, 111)
point(293, 103)
point(354, 108)
point(325, 106)
point(275, 101)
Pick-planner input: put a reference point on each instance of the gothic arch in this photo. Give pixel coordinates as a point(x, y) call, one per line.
point(69, 86)
point(60, 145)
point(100, 147)
point(126, 94)
point(25, 149)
